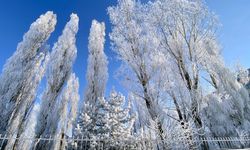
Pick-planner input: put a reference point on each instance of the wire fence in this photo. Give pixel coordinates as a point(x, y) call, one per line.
point(79, 143)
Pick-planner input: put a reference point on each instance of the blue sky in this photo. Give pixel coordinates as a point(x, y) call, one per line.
point(234, 35)
point(17, 15)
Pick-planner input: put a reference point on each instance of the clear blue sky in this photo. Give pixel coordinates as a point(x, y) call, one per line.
point(234, 35)
point(17, 15)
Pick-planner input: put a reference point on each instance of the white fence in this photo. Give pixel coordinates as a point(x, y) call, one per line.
point(79, 143)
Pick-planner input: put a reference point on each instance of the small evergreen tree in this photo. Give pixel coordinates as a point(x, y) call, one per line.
point(120, 121)
point(111, 120)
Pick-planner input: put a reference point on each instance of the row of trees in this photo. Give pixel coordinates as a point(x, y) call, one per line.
point(171, 49)
point(177, 83)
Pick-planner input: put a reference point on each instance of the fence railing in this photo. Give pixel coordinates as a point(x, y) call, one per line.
point(79, 143)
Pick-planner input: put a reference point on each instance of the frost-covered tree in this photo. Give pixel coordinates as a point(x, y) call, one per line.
point(26, 107)
point(137, 46)
point(65, 113)
point(227, 108)
point(21, 76)
point(184, 28)
point(59, 69)
point(97, 71)
point(187, 33)
point(92, 124)
point(20, 67)
point(181, 36)
point(26, 138)
point(120, 121)
point(243, 75)
point(86, 123)
point(97, 76)
point(112, 120)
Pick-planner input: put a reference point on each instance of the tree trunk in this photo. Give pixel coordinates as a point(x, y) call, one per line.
point(152, 113)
